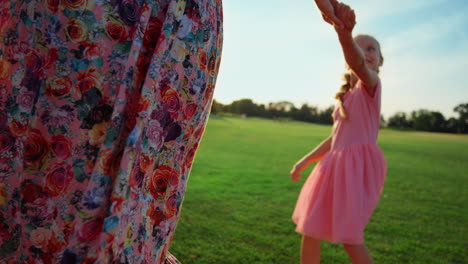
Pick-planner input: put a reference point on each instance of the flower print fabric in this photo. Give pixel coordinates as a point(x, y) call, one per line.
point(102, 107)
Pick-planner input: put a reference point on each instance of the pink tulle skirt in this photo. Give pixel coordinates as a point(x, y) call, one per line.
point(339, 196)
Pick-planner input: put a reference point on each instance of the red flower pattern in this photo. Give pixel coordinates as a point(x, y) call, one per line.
point(99, 172)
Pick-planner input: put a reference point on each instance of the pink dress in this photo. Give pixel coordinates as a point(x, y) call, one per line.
point(339, 196)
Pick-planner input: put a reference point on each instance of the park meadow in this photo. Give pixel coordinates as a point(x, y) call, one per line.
point(240, 198)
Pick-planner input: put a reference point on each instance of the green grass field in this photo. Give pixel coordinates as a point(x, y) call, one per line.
point(240, 198)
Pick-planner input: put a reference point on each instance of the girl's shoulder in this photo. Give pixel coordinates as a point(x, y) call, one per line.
point(360, 86)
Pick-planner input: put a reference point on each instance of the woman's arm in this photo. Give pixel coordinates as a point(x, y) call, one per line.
point(352, 53)
point(311, 157)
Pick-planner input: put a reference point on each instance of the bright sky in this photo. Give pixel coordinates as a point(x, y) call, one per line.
point(277, 50)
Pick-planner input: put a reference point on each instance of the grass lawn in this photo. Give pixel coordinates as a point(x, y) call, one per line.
point(239, 199)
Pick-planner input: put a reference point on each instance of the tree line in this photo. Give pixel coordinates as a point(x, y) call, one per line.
point(422, 120)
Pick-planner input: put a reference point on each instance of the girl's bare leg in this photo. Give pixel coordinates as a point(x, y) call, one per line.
point(358, 254)
point(310, 250)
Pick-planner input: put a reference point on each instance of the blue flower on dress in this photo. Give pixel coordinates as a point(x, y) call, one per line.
point(133, 137)
point(94, 198)
point(197, 86)
point(110, 223)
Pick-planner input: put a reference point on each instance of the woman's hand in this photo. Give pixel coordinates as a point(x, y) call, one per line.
point(346, 15)
point(327, 8)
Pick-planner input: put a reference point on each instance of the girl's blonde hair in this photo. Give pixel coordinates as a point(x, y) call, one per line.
point(346, 86)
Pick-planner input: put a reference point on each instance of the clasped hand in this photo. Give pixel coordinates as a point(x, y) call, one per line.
point(338, 14)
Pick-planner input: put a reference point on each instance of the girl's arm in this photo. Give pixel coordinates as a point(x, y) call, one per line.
point(313, 156)
point(352, 53)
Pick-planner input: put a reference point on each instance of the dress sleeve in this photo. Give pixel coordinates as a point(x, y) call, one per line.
point(376, 96)
point(372, 102)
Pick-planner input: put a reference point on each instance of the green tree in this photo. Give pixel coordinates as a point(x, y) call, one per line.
point(399, 120)
point(462, 110)
point(325, 116)
point(217, 107)
point(426, 120)
point(280, 109)
point(451, 125)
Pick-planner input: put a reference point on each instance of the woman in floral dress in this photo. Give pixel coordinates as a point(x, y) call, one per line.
point(102, 107)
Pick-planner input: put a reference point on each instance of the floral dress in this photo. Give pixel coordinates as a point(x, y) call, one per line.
point(102, 107)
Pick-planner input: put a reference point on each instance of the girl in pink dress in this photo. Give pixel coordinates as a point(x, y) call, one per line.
point(339, 196)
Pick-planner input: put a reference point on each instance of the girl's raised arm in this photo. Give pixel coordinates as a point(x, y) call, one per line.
point(353, 54)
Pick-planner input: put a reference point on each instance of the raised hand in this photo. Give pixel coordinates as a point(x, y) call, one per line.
point(327, 8)
point(346, 15)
